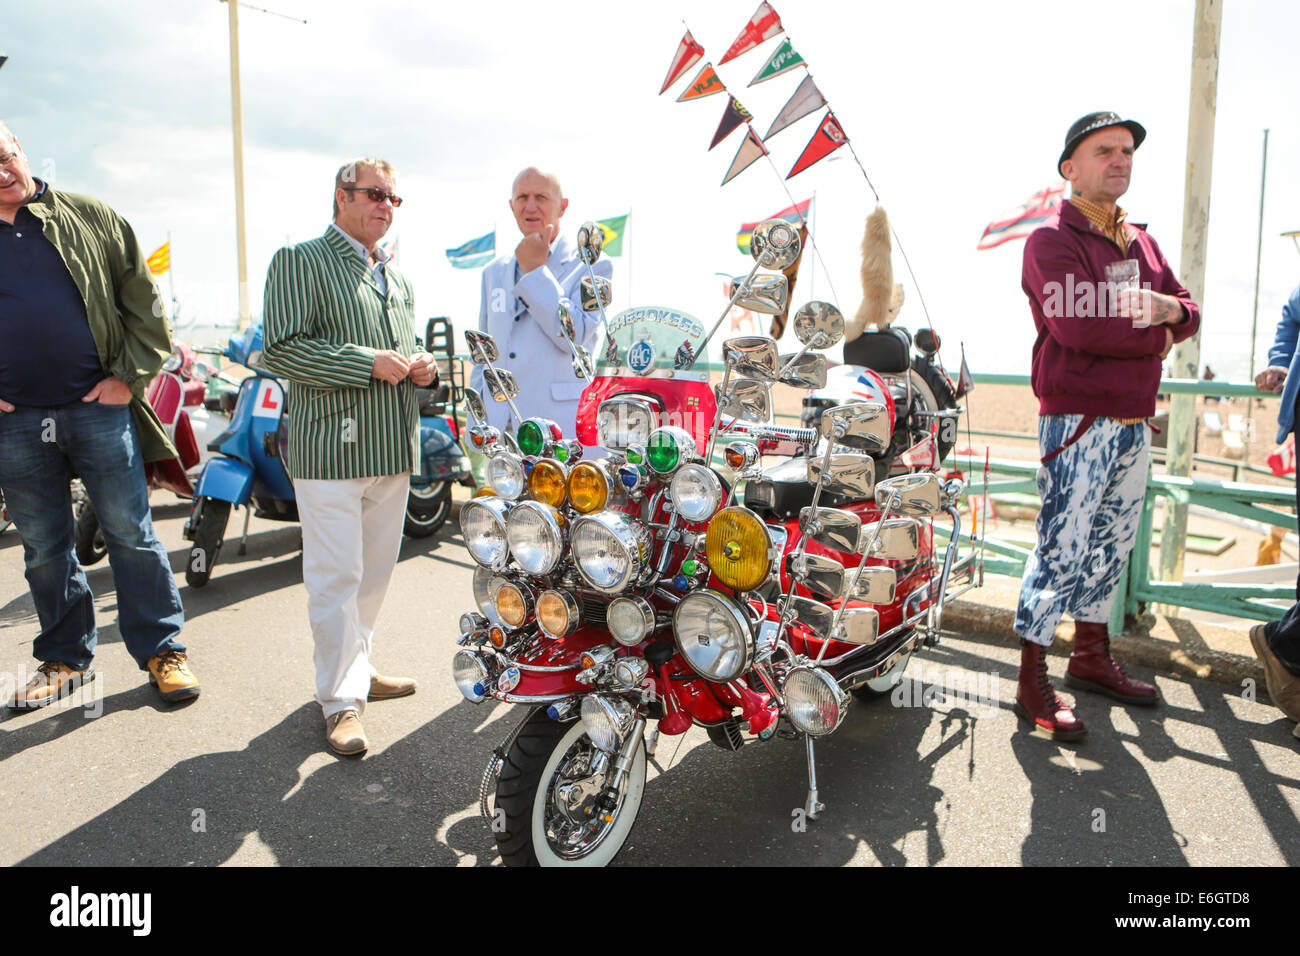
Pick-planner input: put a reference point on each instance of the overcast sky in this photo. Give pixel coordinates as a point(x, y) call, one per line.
point(957, 110)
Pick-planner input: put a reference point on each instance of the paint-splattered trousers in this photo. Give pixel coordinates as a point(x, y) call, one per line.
point(1092, 497)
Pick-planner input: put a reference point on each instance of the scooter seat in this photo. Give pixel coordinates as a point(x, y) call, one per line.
point(784, 490)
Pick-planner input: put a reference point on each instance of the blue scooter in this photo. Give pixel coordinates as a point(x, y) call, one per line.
point(253, 451)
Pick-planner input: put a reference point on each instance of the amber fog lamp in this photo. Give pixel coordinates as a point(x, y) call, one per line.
point(557, 613)
point(737, 546)
point(512, 604)
point(485, 492)
point(546, 483)
point(497, 636)
point(588, 488)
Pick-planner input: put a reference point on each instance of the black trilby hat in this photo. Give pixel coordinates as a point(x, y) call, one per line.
point(1085, 126)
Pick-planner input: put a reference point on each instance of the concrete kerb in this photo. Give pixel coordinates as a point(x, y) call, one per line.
point(1172, 646)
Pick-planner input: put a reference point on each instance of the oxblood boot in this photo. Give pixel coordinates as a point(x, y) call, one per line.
point(1036, 700)
point(1092, 668)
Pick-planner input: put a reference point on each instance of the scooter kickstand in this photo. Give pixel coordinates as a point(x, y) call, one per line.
point(243, 542)
point(813, 807)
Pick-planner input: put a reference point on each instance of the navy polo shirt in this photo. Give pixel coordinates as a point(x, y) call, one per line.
point(47, 354)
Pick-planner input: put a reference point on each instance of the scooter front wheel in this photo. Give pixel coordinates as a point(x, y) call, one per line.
point(209, 532)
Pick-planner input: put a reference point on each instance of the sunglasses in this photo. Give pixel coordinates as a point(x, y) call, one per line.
point(374, 194)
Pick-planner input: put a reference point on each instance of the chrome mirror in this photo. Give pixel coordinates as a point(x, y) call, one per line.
point(861, 425)
point(898, 539)
point(589, 300)
point(768, 294)
point(775, 244)
point(916, 494)
point(751, 356)
point(566, 322)
point(474, 402)
point(748, 400)
point(501, 384)
point(875, 585)
point(482, 347)
point(849, 474)
point(591, 239)
point(859, 625)
point(818, 325)
point(814, 615)
point(803, 371)
point(822, 575)
point(832, 528)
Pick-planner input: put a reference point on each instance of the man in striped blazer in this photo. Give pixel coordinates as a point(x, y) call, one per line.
point(339, 325)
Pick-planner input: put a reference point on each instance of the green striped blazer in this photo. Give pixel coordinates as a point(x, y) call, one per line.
point(324, 319)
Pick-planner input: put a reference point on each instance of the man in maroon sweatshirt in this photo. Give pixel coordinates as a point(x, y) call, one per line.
point(1107, 308)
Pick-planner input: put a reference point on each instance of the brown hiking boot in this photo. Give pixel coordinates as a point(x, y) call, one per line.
point(52, 680)
point(170, 673)
point(386, 688)
point(1038, 703)
point(1092, 668)
point(1283, 686)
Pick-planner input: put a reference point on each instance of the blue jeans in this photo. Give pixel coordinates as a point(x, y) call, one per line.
point(40, 449)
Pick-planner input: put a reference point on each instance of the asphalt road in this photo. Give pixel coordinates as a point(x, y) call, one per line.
point(241, 776)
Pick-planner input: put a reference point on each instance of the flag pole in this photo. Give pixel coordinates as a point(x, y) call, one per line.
point(812, 231)
point(626, 223)
point(237, 127)
point(171, 279)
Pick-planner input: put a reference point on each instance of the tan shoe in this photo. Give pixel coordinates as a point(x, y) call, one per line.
point(344, 733)
point(386, 688)
point(1283, 686)
point(52, 680)
point(170, 673)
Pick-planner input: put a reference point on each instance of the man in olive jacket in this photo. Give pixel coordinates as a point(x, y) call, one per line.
point(339, 325)
point(82, 333)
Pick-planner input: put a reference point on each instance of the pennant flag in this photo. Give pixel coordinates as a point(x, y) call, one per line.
point(160, 260)
point(965, 380)
point(763, 25)
point(797, 214)
point(783, 60)
point(475, 253)
point(828, 138)
point(614, 231)
point(688, 54)
point(733, 116)
point(750, 150)
point(1020, 222)
point(807, 98)
point(705, 84)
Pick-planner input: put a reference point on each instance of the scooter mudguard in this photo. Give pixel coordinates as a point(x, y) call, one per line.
point(226, 479)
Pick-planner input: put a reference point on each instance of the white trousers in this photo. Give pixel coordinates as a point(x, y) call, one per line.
point(351, 533)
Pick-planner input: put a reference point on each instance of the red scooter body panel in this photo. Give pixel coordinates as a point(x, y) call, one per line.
point(687, 404)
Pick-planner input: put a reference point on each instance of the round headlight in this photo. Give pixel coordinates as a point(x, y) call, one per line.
point(668, 447)
point(629, 620)
point(547, 482)
point(588, 487)
point(606, 721)
point(514, 603)
point(483, 527)
point(557, 613)
point(713, 635)
point(535, 533)
point(470, 674)
point(610, 550)
point(505, 473)
point(814, 701)
point(737, 545)
point(696, 492)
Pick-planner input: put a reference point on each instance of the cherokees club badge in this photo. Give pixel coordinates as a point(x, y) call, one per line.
point(641, 355)
point(509, 680)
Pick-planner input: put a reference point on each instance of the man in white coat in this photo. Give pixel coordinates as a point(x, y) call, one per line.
point(520, 303)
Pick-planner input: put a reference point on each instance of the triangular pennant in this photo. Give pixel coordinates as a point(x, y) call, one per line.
point(705, 84)
point(805, 100)
point(783, 60)
point(734, 115)
point(828, 138)
point(688, 54)
point(750, 150)
point(965, 380)
point(763, 25)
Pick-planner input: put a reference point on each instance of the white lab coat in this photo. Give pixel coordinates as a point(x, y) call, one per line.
point(522, 317)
